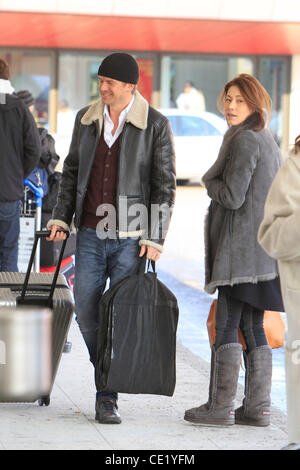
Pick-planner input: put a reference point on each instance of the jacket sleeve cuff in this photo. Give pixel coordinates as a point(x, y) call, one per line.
point(61, 223)
point(153, 244)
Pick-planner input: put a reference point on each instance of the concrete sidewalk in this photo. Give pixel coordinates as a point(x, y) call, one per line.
point(149, 422)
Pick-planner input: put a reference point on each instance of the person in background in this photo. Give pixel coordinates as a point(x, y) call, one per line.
point(279, 235)
point(121, 154)
point(20, 150)
point(27, 99)
point(244, 274)
point(191, 98)
point(48, 159)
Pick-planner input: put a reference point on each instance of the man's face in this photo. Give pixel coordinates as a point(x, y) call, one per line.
point(113, 92)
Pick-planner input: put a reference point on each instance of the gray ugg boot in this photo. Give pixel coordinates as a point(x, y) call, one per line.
point(224, 374)
point(255, 410)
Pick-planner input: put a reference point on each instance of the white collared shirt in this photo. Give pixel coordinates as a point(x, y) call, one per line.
point(109, 125)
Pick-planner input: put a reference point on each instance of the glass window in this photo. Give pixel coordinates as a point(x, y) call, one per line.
point(206, 75)
point(78, 78)
point(78, 82)
point(195, 82)
point(31, 70)
point(273, 76)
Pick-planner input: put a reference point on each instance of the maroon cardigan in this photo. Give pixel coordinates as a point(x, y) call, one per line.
point(103, 181)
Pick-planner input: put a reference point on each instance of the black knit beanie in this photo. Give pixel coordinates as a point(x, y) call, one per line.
point(120, 66)
point(26, 96)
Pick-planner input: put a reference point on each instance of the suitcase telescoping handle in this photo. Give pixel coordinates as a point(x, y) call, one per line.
point(38, 235)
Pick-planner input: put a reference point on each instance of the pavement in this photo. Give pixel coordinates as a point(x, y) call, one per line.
point(149, 422)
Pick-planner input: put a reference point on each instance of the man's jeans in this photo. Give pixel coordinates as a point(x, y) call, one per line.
point(97, 260)
point(9, 235)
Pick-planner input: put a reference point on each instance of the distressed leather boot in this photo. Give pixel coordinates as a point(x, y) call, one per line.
point(224, 374)
point(107, 411)
point(255, 410)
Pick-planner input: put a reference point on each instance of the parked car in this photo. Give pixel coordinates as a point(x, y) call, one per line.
point(198, 137)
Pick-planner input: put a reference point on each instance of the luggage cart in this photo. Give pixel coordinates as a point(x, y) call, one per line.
point(30, 222)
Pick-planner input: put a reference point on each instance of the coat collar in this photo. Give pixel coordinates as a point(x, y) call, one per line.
point(137, 115)
point(295, 157)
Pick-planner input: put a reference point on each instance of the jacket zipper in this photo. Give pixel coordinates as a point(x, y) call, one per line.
point(90, 169)
point(118, 181)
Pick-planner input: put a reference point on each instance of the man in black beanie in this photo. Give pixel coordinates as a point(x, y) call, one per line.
point(121, 159)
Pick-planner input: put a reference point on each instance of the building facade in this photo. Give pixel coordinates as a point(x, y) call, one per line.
point(54, 51)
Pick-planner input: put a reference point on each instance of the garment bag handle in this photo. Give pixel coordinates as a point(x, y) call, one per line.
point(142, 265)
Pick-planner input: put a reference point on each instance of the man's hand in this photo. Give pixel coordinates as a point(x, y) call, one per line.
point(57, 234)
point(152, 253)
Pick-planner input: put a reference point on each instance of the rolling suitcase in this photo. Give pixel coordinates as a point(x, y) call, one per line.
point(42, 290)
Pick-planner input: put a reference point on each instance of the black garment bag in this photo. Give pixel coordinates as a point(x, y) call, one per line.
point(137, 336)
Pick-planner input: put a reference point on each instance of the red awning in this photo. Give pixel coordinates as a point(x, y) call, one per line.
point(73, 31)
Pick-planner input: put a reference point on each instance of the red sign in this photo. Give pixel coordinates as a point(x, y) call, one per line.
point(146, 78)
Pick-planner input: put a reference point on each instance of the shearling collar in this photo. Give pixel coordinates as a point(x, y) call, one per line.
point(137, 115)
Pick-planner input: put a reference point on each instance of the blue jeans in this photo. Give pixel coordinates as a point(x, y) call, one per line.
point(96, 260)
point(9, 235)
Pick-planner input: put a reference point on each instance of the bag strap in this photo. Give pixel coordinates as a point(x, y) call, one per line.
point(152, 264)
point(142, 265)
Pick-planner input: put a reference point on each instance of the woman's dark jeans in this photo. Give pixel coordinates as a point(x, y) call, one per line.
point(233, 314)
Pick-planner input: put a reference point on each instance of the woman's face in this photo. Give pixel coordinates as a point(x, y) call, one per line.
point(236, 110)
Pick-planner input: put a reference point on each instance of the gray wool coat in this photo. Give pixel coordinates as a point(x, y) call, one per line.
point(238, 184)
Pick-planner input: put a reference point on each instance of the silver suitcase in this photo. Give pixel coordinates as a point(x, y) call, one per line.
point(40, 290)
point(25, 353)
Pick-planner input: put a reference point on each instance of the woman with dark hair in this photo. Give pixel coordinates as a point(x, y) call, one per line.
point(244, 274)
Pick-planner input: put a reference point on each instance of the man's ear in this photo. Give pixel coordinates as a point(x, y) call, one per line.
point(130, 86)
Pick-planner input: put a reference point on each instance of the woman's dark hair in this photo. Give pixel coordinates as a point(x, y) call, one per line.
point(255, 95)
point(4, 70)
point(297, 144)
